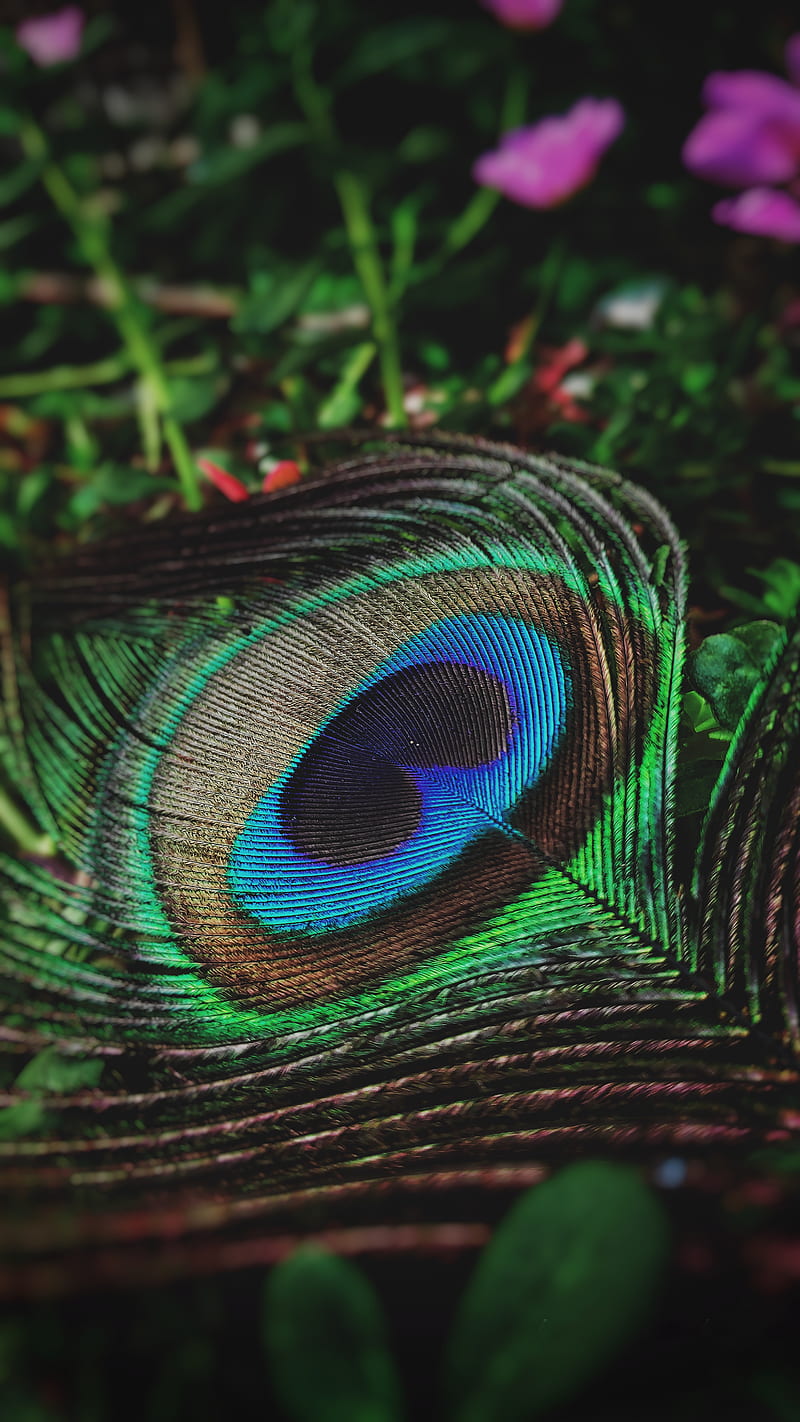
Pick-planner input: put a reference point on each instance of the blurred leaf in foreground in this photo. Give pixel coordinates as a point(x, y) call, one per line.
point(564, 1284)
point(325, 1342)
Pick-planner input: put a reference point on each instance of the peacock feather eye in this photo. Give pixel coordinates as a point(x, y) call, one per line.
point(379, 734)
point(381, 745)
point(370, 766)
point(424, 758)
point(364, 895)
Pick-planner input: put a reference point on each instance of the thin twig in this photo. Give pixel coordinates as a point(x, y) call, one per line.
point(63, 289)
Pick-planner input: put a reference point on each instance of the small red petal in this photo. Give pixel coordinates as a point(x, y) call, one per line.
point(555, 363)
point(286, 472)
point(572, 354)
point(227, 484)
point(567, 407)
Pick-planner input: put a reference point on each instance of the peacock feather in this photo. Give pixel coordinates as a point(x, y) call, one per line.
point(364, 908)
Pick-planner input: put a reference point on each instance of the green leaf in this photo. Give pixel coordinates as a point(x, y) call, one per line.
point(729, 666)
point(276, 417)
point(18, 179)
point(564, 1284)
point(781, 587)
point(9, 286)
point(699, 718)
point(99, 28)
point(695, 787)
point(695, 379)
point(404, 223)
point(509, 382)
point(193, 396)
point(344, 403)
point(325, 1341)
point(334, 291)
point(227, 163)
point(273, 297)
point(9, 537)
point(10, 119)
point(781, 595)
point(761, 639)
point(15, 228)
point(435, 355)
point(49, 1071)
point(114, 484)
point(290, 24)
point(36, 483)
point(22, 1119)
point(424, 144)
point(393, 44)
point(577, 280)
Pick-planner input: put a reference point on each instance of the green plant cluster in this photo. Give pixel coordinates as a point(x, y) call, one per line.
point(279, 234)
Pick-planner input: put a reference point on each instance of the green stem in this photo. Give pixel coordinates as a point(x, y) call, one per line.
point(182, 459)
point(367, 261)
point(26, 836)
point(483, 203)
point(475, 216)
point(788, 468)
point(511, 380)
point(356, 366)
point(149, 426)
point(404, 223)
point(99, 372)
point(63, 377)
point(361, 235)
point(92, 234)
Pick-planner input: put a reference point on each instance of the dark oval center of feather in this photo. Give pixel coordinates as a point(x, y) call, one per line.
point(352, 797)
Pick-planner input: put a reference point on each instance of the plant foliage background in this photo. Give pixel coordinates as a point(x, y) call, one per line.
point(226, 231)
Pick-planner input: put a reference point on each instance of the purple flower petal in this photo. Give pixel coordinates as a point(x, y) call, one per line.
point(741, 148)
point(762, 212)
point(757, 93)
point(52, 39)
point(524, 14)
point(544, 163)
point(791, 55)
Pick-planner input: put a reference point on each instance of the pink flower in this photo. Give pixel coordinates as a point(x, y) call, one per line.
point(544, 164)
point(738, 148)
point(750, 138)
point(524, 14)
point(767, 212)
point(52, 39)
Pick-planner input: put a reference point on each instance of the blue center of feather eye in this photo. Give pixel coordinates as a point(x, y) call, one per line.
point(430, 752)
